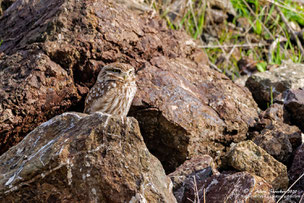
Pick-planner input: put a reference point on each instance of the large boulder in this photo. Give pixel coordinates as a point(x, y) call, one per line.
point(53, 51)
point(78, 158)
point(185, 109)
point(30, 96)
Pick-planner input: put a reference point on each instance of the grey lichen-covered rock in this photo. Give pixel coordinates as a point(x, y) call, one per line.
point(247, 156)
point(287, 76)
point(78, 158)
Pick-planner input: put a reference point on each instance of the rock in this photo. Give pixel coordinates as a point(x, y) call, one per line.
point(294, 104)
point(184, 110)
point(247, 156)
point(30, 96)
point(276, 137)
point(78, 158)
point(295, 174)
point(223, 5)
point(194, 175)
point(190, 182)
point(275, 143)
point(55, 49)
point(288, 76)
point(190, 167)
point(241, 81)
point(274, 114)
point(217, 10)
point(296, 169)
point(237, 187)
point(200, 167)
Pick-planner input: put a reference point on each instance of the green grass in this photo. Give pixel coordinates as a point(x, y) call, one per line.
point(265, 25)
point(262, 66)
point(271, 97)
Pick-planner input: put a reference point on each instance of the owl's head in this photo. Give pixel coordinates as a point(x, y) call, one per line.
point(117, 72)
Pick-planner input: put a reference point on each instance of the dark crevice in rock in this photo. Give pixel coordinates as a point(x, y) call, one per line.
point(164, 140)
point(6, 4)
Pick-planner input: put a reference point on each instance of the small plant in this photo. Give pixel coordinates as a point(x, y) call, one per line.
point(264, 23)
point(196, 192)
point(262, 66)
point(271, 97)
point(1, 42)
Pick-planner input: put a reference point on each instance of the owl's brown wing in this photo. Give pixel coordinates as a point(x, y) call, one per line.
point(98, 96)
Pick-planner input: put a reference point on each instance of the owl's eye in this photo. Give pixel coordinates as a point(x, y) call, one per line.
point(116, 70)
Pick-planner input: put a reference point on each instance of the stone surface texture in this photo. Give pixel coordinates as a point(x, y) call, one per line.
point(53, 51)
point(297, 169)
point(190, 167)
point(235, 187)
point(78, 158)
point(288, 76)
point(188, 188)
point(247, 156)
point(185, 110)
point(276, 137)
point(294, 104)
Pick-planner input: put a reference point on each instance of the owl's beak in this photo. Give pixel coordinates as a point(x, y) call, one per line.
point(125, 76)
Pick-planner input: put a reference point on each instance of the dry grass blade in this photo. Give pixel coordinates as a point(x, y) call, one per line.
point(195, 190)
point(290, 30)
point(214, 67)
point(273, 46)
point(204, 195)
point(193, 14)
point(226, 46)
point(252, 48)
point(252, 12)
point(302, 198)
point(282, 4)
point(290, 188)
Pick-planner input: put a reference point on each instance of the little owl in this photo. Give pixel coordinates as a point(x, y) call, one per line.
point(113, 91)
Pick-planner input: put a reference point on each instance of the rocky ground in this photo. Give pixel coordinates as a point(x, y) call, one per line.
point(195, 134)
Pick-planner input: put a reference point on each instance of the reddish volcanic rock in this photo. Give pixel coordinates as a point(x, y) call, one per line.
point(237, 187)
point(53, 51)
